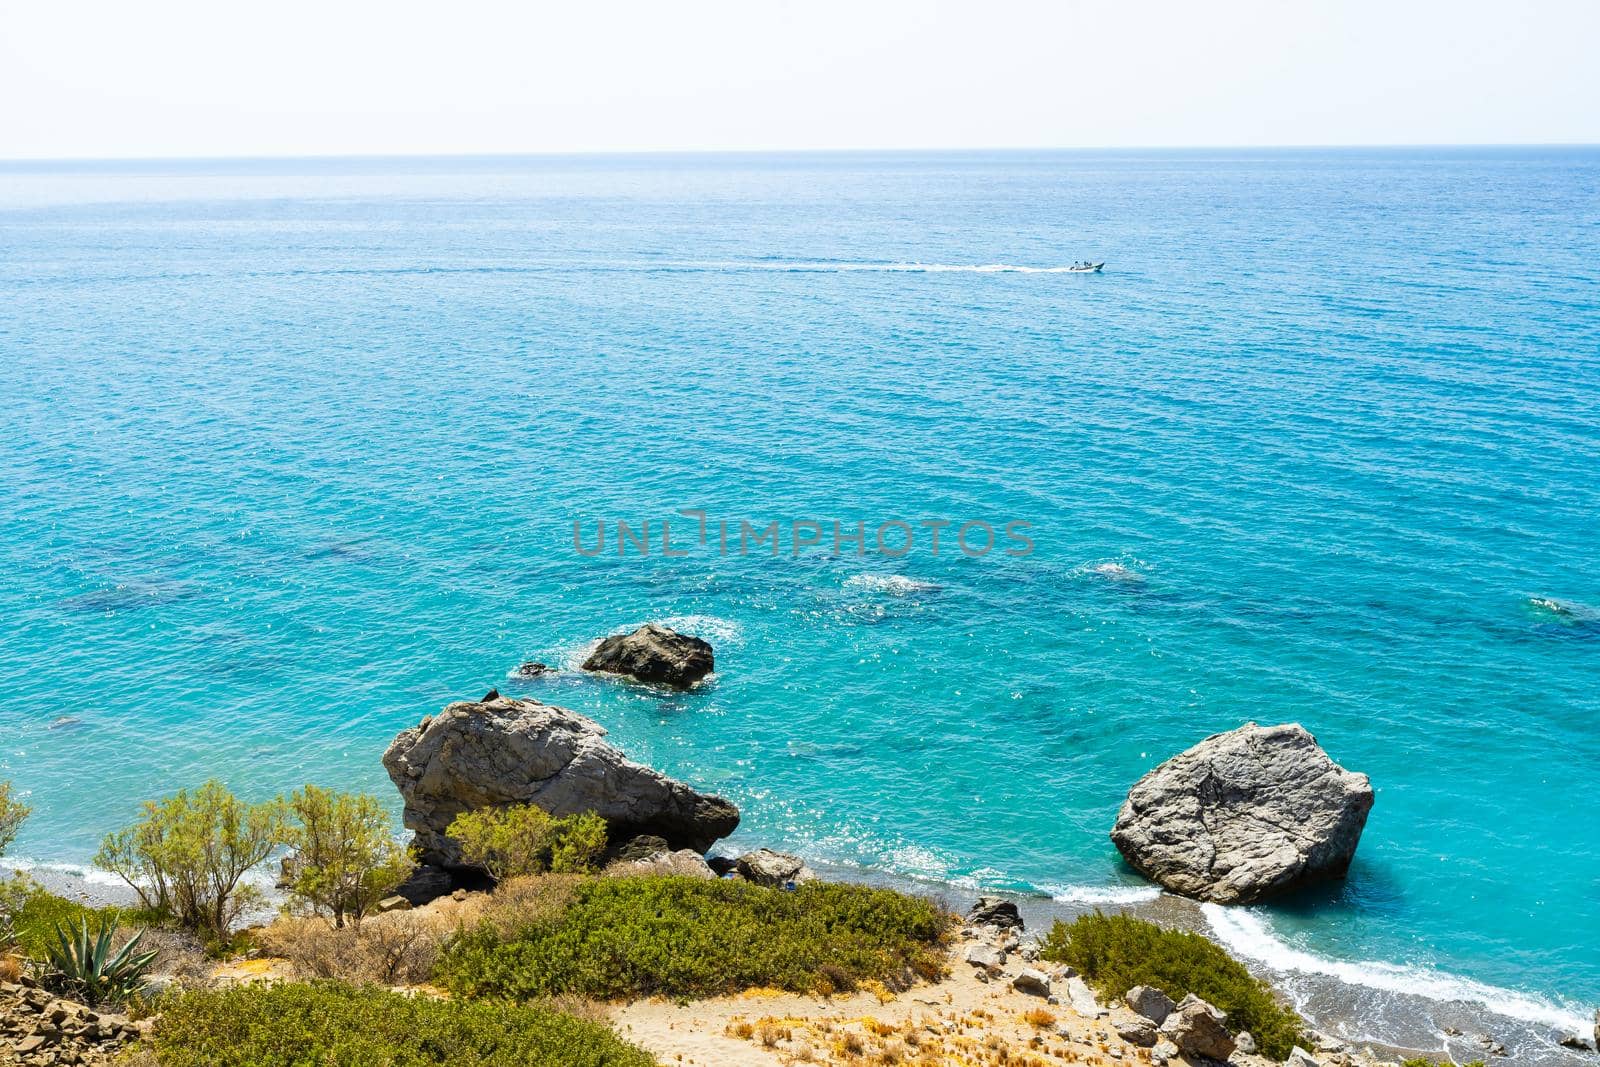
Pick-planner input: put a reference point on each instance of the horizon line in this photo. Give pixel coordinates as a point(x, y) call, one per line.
point(726, 152)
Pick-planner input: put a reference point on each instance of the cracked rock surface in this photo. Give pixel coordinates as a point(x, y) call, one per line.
point(498, 751)
point(1243, 815)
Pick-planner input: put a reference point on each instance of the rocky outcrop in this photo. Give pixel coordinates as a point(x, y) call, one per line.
point(654, 654)
point(995, 911)
point(1149, 1002)
point(498, 751)
point(39, 1028)
point(1197, 1029)
point(775, 870)
point(1243, 815)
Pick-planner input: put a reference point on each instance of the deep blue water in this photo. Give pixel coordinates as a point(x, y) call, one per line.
point(291, 453)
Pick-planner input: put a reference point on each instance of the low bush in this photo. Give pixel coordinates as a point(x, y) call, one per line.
point(1117, 952)
point(399, 947)
point(684, 937)
point(291, 1025)
point(524, 839)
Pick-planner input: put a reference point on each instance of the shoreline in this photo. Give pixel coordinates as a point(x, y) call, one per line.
point(1387, 1017)
point(1359, 1014)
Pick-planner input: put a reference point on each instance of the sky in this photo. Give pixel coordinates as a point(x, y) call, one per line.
point(182, 78)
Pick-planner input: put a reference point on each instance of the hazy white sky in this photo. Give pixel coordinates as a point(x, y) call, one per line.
point(104, 78)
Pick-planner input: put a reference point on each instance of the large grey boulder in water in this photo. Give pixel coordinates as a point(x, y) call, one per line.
point(498, 751)
point(655, 654)
point(1243, 815)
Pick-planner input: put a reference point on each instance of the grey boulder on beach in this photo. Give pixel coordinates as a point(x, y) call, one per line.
point(497, 752)
point(654, 654)
point(1243, 815)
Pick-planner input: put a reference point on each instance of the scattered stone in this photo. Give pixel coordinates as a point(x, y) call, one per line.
point(1244, 1041)
point(1032, 982)
point(1196, 1027)
point(985, 957)
point(1322, 1042)
point(1142, 1033)
point(654, 654)
point(1243, 815)
point(995, 911)
point(1082, 999)
point(392, 903)
point(533, 670)
point(479, 754)
point(684, 863)
point(1163, 1052)
point(775, 870)
point(1299, 1057)
point(39, 1029)
point(1597, 1028)
point(1149, 1002)
point(1573, 1041)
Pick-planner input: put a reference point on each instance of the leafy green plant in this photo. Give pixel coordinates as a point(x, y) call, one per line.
point(12, 814)
point(687, 937)
point(1117, 952)
point(346, 857)
point(35, 913)
point(525, 839)
point(293, 1024)
point(187, 855)
point(85, 965)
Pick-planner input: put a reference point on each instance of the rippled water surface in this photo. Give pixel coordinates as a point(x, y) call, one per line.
point(292, 452)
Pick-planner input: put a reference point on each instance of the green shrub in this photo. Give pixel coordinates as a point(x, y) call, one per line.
point(525, 839)
point(346, 858)
point(186, 856)
point(1117, 952)
point(84, 966)
point(688, 937)
point(35, 913)
point(12, 814)
point(294, 1025)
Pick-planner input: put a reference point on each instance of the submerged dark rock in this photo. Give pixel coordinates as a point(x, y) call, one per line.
point(1243, 815)
point(499, 752)
point(654, 654)
point(534, 670)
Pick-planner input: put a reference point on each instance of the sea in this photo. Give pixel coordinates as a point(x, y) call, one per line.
point(295, 452)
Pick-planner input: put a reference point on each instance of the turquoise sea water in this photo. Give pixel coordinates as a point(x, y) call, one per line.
point(292, 452)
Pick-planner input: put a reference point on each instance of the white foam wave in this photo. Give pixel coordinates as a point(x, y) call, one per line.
point(1110, 570)
point(1246, 933)
point(892, 584)
point(707, 627)
point(92, 875)
point(1102, 894)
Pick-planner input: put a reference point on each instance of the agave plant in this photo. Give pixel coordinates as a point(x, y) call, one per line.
point(86, 965)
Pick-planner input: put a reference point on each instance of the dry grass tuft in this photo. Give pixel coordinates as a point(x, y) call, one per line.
point(394, 949)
